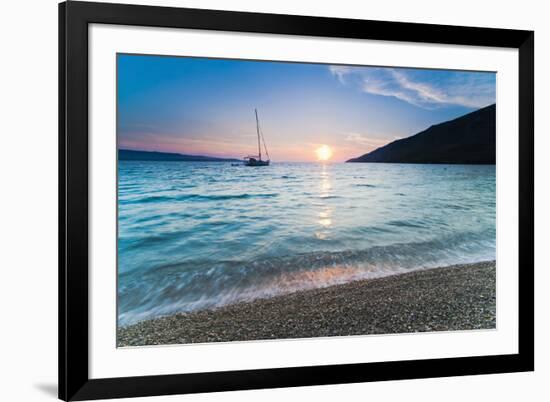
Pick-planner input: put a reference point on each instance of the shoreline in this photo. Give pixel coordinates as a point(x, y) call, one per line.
point(457, 297)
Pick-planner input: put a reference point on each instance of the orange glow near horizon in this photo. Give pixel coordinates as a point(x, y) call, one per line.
point(324, 153)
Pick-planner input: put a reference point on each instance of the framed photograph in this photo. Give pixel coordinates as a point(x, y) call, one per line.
point(257, 201)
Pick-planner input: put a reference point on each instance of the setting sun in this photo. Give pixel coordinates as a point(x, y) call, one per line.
point(324, 153)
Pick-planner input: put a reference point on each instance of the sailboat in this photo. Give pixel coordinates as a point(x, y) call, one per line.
point(257, 160)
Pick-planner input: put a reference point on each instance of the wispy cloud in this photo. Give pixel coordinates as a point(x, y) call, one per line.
point(427, 89)
point(340, 72)
point(368, 140)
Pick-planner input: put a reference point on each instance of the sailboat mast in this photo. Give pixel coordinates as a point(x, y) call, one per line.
point(258, 132)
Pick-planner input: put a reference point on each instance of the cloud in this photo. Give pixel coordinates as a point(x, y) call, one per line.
point(369, 142)
point(418, 90)
point(340, 72)
point(388, 88)
point(427, 89)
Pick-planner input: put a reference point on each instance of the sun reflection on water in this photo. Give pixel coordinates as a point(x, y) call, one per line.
point(324, 215)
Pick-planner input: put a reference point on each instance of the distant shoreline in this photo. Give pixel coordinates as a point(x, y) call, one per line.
point(154, 156)
point(458, 297)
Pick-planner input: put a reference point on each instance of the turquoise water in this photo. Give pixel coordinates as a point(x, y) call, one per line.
point(196, 235)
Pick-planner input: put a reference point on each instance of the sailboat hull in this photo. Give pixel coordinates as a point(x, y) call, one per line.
point(255, 162)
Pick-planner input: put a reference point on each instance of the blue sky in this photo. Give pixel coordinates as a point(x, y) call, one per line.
point(206, 106)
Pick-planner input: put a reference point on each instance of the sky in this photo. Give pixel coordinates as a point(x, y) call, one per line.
point(204, 106)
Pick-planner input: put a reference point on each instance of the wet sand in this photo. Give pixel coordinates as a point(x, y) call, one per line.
point(458, 297)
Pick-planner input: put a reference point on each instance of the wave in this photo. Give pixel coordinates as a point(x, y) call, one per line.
point(169, 237)
point(197, 197)
point(160, 217)
point(205, 283)
point(407, 223)
point(146, 200)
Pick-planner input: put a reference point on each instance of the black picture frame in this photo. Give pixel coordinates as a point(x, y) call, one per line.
point(74, 18)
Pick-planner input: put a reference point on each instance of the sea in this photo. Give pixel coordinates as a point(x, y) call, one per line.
point(200, 235)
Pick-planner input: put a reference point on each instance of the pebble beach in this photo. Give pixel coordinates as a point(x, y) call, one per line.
point(458, 297)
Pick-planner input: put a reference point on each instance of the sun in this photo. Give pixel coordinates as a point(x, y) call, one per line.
point(324, 153)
